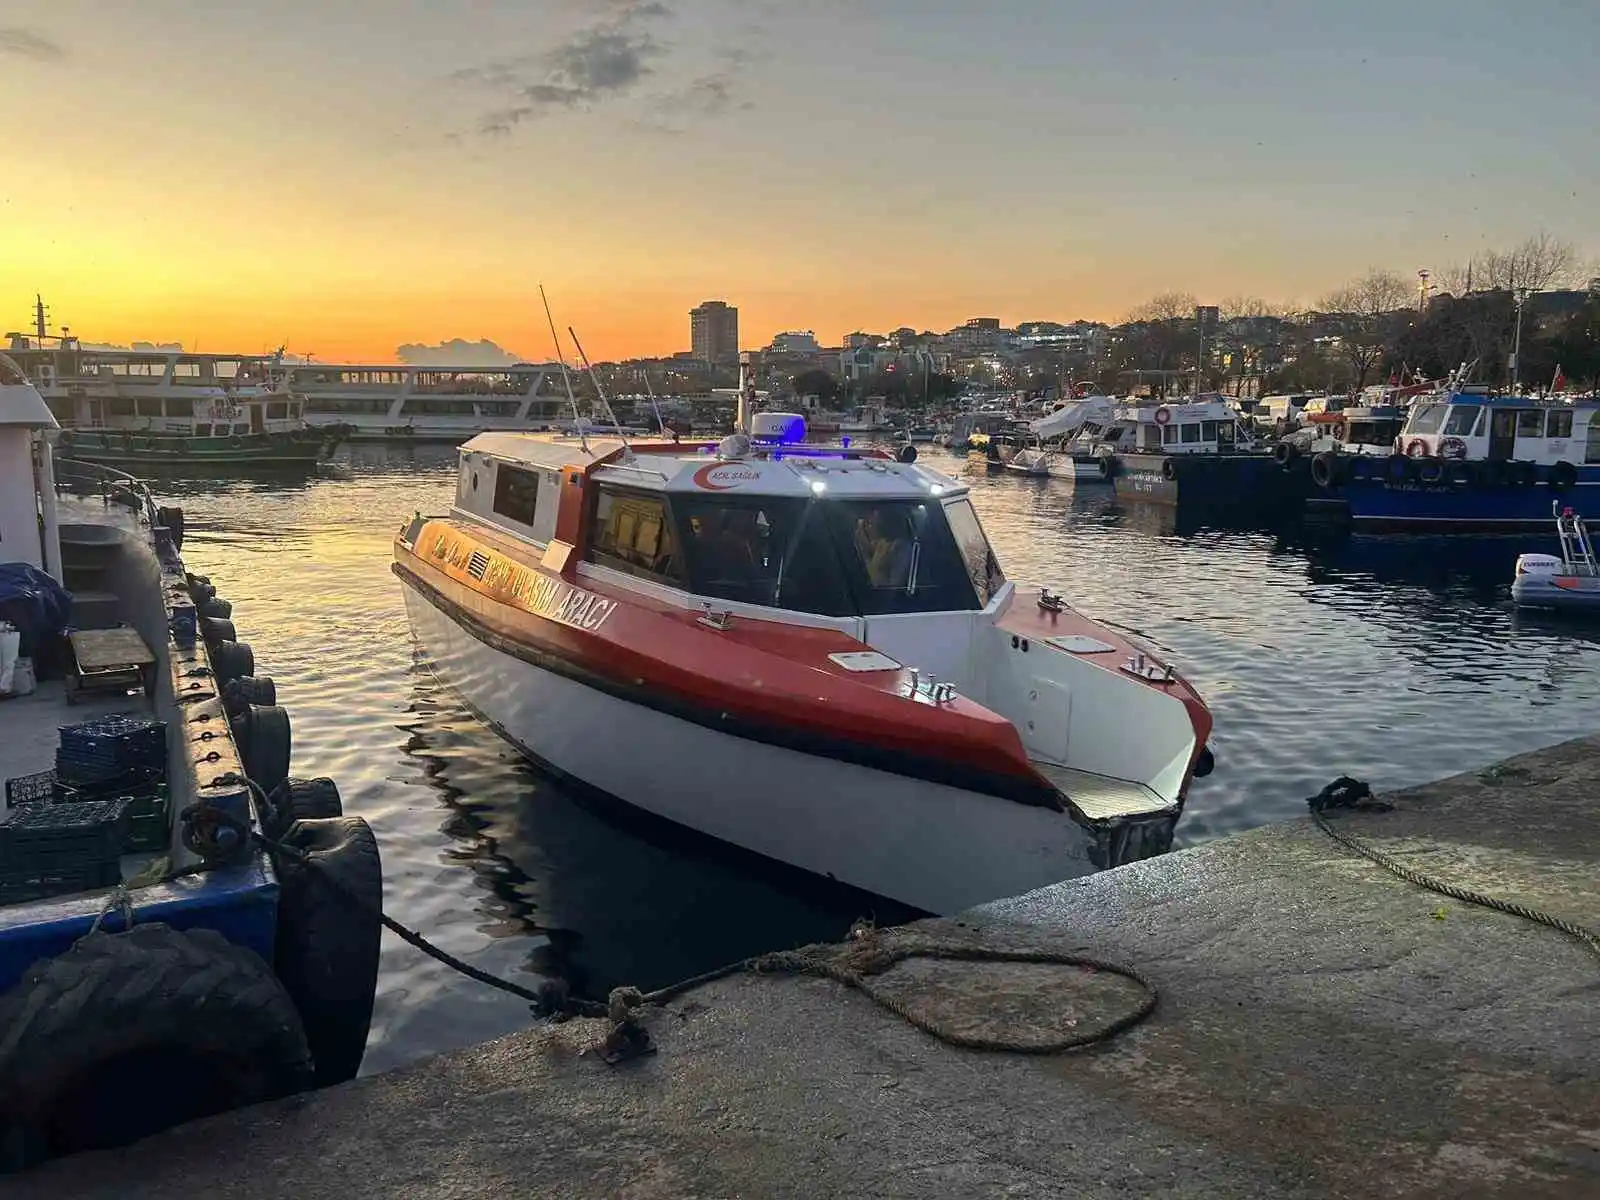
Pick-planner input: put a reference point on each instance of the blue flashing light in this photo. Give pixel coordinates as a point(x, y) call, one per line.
point(845, 441)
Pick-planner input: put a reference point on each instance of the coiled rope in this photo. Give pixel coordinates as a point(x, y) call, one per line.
point(1353, 794)
point(855, 965)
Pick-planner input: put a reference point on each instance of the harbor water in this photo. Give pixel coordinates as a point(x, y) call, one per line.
point(1396, 660)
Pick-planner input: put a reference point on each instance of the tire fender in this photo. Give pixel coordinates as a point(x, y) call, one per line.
point(328, 933)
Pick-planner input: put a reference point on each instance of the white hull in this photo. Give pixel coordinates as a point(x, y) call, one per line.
point(1060, 466)
point(934, 847)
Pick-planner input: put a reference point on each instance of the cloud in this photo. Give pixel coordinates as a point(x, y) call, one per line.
point(457, 352)
point(26, 43)
point(606, 59)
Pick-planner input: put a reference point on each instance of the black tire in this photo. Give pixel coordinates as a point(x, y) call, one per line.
point(1322, 465)
point(1430, 470)
point(128, 1034)
point(216, 607)
point(172, 518)
point(265, 743)
point(218, 629)
point(232, 660)
point(1169, 470)
point(1285, 453)
point(1398, 469)
point(239, 694)
point(1563, 476)
point(328, 932)
point(1107, 466)
point(201, 589)
point(305, 800)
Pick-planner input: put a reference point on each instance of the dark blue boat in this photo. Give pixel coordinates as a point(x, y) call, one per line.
point(183, 927)
point(1467, 461)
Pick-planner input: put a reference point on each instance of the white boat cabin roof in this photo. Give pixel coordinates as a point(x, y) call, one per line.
point(794, 469)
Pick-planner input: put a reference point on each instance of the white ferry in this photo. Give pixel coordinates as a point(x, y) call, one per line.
point(395, 402)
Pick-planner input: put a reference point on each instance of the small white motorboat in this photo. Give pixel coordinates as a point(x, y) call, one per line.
point(1570, 581)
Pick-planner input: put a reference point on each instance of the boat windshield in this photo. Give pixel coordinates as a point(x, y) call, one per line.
point(1429, 418)
point(831, 557)
point(1461, 420)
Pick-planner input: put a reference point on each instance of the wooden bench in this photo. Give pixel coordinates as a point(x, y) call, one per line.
point(107, 660)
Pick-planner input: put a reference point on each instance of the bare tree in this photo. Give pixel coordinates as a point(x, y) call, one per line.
point(1169, 306)
point(1535, 263)
point(1363, 314)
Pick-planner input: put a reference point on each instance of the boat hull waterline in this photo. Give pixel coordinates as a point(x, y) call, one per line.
point(952, 848)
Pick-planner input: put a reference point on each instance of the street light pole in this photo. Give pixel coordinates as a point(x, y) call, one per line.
point(1516, 344)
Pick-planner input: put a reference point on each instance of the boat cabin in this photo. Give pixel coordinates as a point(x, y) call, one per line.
point(1472, 424)
point(836, 534)
point(1200, 427)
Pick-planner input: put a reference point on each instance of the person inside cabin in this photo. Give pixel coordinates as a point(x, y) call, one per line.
point(888, 554)
point(724, 549)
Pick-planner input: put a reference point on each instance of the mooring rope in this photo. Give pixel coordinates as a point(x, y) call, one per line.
point(855, 965)
point(1345, 792)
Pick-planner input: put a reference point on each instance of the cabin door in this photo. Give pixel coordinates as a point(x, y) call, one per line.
point(258, 414)
point(1502, 433)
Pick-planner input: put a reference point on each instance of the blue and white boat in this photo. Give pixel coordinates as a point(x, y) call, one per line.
point(1467, 461)
point(156, 962)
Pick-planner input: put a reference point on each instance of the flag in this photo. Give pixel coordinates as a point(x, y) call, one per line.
point(1560, 381)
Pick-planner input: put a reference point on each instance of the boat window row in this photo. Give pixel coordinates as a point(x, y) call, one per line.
point(461, 406)
point(1472, 420)
point(1195, 432)
point(220, 430)
point(328, 404)
point(825, 556)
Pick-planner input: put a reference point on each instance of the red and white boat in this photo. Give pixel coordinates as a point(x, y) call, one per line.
point(806, 651)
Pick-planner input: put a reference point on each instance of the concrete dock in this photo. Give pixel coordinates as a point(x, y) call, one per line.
point(1324, 1029)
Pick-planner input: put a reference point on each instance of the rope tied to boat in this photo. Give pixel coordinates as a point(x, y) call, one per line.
point(1354, 795)
point(867, 954)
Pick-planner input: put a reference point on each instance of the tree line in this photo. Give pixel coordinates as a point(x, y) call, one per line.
point(1377, 327)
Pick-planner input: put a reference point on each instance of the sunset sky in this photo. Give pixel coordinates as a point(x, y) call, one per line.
point(349, 175)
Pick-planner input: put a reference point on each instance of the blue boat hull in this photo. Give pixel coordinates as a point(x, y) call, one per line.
point(1460, 500)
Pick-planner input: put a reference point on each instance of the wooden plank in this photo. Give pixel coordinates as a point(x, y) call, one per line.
point(106, 649)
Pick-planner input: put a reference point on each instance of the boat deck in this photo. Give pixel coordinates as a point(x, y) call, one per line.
point(31, 724)
point(1102, 797)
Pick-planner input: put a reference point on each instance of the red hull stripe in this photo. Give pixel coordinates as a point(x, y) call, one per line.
point(590, 672)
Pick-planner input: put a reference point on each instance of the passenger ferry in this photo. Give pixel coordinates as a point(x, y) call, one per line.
point(429, 404)
point(165, 410)
point(810, 652)
point(1469, 461)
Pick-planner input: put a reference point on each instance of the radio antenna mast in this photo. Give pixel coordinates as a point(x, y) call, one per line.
point(600, 391)
point(583, 432)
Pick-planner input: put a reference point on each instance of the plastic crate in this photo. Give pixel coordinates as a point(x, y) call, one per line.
point(54, 849)
point(149, 823)
point(41, 788)
point(97, 750)
point(140, 781)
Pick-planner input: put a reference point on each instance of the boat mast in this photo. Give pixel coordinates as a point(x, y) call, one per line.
point(598, 390)
point(39, 325)
point(583, 433)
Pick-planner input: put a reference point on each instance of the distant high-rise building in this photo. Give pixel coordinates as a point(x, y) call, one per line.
point(714, 332)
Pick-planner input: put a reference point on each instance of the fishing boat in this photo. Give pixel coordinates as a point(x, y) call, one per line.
point(1570, 581)
point(1200, 454)
point(1467, 461)
point(807, 651)
point(156, 965)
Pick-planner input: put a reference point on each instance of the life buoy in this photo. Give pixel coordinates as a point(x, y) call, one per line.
point(1452, 447)
point(1563, 475)
point(209, 1011)
point(328, 934)
point(1417, 448)
point(1169, 469)
point(1322, 465)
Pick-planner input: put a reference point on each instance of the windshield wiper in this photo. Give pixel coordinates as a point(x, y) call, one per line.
point(911, 575)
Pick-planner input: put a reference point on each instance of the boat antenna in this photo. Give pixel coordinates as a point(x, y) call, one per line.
point(600, 391)
point(654, 407)
point(583, 432)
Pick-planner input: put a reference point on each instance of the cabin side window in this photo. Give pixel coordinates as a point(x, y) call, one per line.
point(277, 410)
point(1191, 433)
point(148, 406)
point(982, 566)
point(632, 533)
point(902, 557)
point(773, 552)
point(1591, 452)
point(1559, 424)
point(1530, 423)
point(516, 493)
point(1461, 420)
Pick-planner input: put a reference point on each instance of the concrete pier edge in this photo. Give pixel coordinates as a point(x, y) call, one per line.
point(1324, 1029)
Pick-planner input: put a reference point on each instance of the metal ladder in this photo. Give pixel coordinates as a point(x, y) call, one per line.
point(1575, 545)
